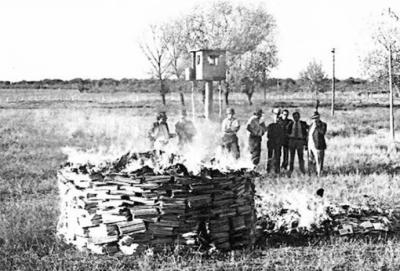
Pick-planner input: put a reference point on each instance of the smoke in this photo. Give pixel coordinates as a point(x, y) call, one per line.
point(111, 135)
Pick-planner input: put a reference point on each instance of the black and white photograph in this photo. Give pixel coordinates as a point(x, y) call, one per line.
point(199, 135)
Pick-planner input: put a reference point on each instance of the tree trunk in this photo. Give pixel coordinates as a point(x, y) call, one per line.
point(265, 93)
point(182, 97)
point(163, 98)
point(226, 93)
point(249, 95)
point(162, 92)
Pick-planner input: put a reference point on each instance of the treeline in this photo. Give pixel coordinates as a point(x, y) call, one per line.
point(152, 85)
point(89, 85)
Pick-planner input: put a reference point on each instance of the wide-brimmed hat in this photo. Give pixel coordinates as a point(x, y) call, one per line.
point(276, 111)
point(315, 115)
point(161, 115)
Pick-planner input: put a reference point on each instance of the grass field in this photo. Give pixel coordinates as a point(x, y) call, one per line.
point(35, 125)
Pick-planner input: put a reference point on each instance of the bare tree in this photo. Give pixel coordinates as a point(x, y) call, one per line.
point(175, 41)
point(154, 48)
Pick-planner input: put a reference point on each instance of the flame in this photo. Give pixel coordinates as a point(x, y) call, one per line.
point(301, 208)
point(205, 151)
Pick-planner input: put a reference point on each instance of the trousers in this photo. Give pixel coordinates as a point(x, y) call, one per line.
point(232, 146)
point(274, 157)
point(296, 145)
point(316, 160)
point(285, 153)
point(255, 148)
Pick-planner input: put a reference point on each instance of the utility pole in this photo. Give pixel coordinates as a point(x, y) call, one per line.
point(391, 116)
point(333, 83)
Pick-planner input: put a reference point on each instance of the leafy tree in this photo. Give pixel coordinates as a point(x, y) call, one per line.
point(240, 29)
point(385, 33)
point(314, 76)
point(255, 66)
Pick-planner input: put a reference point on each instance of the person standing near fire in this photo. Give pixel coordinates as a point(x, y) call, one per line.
point(184, 129)
point(159, 134)
point(256, 128)
point(316, 142)
point(275, 135)
point(297, 140)
point(285, 121)
point(230, 127)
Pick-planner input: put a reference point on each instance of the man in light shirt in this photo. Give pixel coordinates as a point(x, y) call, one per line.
point(317, 143)
point(230, 126)
point(159, 134)
point(297, 140)
point(256, 128)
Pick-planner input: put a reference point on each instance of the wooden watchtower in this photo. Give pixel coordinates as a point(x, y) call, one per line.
point(207, 65)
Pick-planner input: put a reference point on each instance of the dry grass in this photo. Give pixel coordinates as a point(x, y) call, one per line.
point(35, 126)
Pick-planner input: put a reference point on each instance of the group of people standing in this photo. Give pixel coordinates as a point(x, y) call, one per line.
point(285, 137)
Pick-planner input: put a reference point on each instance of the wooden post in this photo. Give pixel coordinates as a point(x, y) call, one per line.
point(333, 83)
point(391, 116)
point(220, 99)
point(192, 98)
point(208, 105)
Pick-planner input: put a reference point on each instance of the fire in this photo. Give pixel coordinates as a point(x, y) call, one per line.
point(204, 151)
point(292, 210)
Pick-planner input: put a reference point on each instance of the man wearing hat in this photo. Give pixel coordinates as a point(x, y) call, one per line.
point(316, 142)
point(184, 129)
point(159, 134)
point(230, 126)
point(275, 135)
point(256, 129)
point(297, 131)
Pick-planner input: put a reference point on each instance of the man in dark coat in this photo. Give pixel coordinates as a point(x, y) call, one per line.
point(184, 129)
point(297, 131)
point(285, 121)
point(316, 142)
point(275, 134)
point(256, 129)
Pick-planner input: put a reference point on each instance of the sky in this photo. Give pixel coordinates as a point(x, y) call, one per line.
point(98, 38)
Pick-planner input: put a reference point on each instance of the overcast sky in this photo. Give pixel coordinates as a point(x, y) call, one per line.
point(98, 38)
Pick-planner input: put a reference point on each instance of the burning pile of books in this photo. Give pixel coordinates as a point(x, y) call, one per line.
point(301, 214)
point(106, 209)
